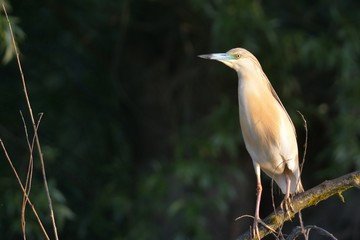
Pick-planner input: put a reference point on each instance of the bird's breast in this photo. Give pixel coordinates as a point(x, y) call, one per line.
point(259, 119)
point(263, 122)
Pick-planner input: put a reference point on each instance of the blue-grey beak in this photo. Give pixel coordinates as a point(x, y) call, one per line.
point(217, 56)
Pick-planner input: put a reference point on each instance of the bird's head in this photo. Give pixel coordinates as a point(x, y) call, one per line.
point(237, 58)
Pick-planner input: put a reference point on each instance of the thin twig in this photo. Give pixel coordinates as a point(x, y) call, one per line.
point(301, 168)
point(30, 171)
point(28, 179)
point(34, 127)
point(23, 189)
point(306, 140)
point(304, 232)
point(298, 231)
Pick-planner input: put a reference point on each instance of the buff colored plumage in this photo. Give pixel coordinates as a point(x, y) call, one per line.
point(267, 129)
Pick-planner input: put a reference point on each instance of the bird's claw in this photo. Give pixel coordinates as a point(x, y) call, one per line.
point(255, 230)
point(287, 206)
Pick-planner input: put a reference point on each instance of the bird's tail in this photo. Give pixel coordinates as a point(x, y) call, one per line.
point(296, 184)
point(295, 181)
point(299, 187)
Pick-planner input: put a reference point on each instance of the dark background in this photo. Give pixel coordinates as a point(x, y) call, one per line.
point(141, 138)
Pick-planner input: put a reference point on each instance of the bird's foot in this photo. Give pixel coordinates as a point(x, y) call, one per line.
point(287, 206)
point(255, 230)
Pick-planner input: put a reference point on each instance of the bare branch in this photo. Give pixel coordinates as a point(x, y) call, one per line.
point(37, 140)
point(306, 199)
point(24, 190)
point(29, 173)
point(299, 231)
point(305, 143)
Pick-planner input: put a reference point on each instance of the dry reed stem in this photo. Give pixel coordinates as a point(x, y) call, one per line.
point(37, 141)
point(23, 189)
point(29, 173)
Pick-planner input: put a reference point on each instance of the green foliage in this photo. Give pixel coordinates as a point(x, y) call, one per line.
point(11, 200)
point(6, 45)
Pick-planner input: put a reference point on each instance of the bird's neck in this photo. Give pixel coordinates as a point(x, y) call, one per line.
point(253, 80)
point(253, 86)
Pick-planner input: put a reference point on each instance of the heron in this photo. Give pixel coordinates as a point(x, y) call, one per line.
point(267, 129)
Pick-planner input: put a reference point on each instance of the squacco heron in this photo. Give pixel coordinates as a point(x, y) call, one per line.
point(267, 129)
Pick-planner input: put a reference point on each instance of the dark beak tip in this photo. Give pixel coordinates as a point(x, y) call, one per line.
point(204, 56)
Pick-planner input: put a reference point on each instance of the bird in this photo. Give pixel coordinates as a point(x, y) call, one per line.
point(267, 129)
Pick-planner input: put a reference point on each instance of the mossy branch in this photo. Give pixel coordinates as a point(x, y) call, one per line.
point(306, 199)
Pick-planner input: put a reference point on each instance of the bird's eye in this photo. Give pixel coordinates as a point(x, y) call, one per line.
point(237, 55)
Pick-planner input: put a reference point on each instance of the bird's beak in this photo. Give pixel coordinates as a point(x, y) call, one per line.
point(217, 56)
point(222, 57)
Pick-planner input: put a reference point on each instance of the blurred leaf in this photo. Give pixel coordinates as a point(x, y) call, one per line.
point(6, 43)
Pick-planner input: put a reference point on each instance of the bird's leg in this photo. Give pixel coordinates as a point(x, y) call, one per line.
point(286, 203)
point(257, 219)
point(257, 207)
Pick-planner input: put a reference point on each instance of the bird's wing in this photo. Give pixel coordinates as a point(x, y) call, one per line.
point(279, 101)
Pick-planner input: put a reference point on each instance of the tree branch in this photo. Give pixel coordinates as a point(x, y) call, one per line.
point(306, 199)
